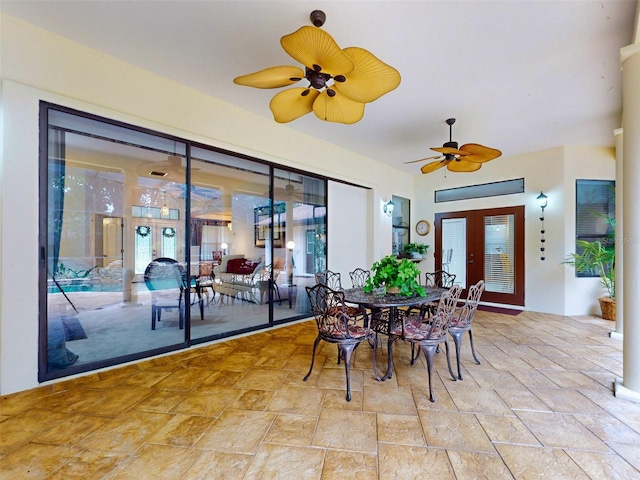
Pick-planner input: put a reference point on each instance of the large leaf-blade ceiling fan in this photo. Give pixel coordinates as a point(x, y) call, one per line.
point(467, 158)
point(341, 81)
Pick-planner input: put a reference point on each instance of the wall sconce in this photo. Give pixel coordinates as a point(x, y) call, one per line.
point(388, 208)
point(542, 201)
point(224, 247)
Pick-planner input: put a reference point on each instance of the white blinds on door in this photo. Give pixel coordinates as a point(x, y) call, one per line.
point(499, 253)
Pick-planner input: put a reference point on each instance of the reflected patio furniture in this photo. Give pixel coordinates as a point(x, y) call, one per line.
point(359, 277)
point(430, 334)
point(462, 320)
point(335, 326)
point(205, 281)
point(165, 279)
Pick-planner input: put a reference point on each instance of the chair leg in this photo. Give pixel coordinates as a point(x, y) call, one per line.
point(457, 340)
point(473, 350)
point(446, 349)
point(313, 357)
point(339, 355)
point(429, 352)
point(346, 351)
point(153, 317)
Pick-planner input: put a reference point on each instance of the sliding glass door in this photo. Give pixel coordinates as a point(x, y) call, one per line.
point(150, 243)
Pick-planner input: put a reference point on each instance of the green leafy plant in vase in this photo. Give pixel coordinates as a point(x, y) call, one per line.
point(414, 250)
point(397, 276)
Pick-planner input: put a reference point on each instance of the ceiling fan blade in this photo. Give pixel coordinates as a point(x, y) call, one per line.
point(479, 153)
point(312, 46)
point(370, 79)
point(273, 77)
point(433, 166)
point(291, 104)
point(423, 159)
point(339, 108)
point(449, 151)
point(463, 166)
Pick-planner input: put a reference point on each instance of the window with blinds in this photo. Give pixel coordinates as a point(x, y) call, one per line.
point(454, 249)
point(499, 253)
point(595, 214)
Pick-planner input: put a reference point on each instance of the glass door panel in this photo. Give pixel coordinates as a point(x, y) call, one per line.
point(454, 249)
point(499, 249)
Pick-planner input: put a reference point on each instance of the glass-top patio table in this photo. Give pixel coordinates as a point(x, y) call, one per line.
point(385, 315)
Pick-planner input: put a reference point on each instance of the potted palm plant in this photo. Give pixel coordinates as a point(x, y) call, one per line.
point(599, 258)
point(398, 276)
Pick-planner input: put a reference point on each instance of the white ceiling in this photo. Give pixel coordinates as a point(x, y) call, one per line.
point(520, 76)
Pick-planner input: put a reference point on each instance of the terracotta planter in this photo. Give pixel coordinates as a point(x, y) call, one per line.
point(608, 308)
point(393, 290)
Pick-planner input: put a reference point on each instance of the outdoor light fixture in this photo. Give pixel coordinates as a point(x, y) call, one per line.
point(388, 208)
point(291, 245)
point(542, 201)
point(224, 247)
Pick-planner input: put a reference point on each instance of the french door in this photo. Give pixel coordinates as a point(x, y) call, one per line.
point(484, 244)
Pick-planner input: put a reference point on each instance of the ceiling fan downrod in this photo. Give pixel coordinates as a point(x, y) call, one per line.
point(450, 143)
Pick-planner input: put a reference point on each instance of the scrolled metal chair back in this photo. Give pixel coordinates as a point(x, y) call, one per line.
point(470, 306)
point(330, 279)
point(359, 277)
point(440, 279)
point(329, 309)
point(449, 300)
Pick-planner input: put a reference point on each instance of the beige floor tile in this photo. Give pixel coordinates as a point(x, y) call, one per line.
point(443, 399)
point(300, 400)
point(561, 431)
point(495, 379)
point(126, 433)
point(522, 400)
point(631, 453)
point(604, 466)
point(342, 429)
point(237, 431)
point(291, 429)
point(400, 429)
point(609, 429)
point(335, 378)
point(336, 399)
point(478, 466)
point(402, 462)
point(570, 379)
point(286, 462)
point(507, 429)
point(399, 401)
point(457, 431)
point(479, 400)
point(566, 401)
point(89, 464)
point(210, 403)
point(36, 461)
point(161, 400)
point(341, 465)
point(212, 465)
point(531, 462)
point(253, 400)
point(157, 462)
point(181, 430)
point(262, 379)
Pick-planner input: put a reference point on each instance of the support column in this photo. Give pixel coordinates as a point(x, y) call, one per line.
point(629, 386)
point(618, 332)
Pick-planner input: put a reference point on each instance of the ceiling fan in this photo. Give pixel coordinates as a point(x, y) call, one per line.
point(341, 81)
point(468, 158)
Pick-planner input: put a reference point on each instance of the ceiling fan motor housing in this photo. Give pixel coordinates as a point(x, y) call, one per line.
point(451, 145)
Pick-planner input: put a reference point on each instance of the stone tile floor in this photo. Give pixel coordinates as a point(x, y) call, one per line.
point(539, 405)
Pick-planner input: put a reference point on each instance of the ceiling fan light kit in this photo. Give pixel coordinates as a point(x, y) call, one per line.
point(467, 158)
point(341, 81)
